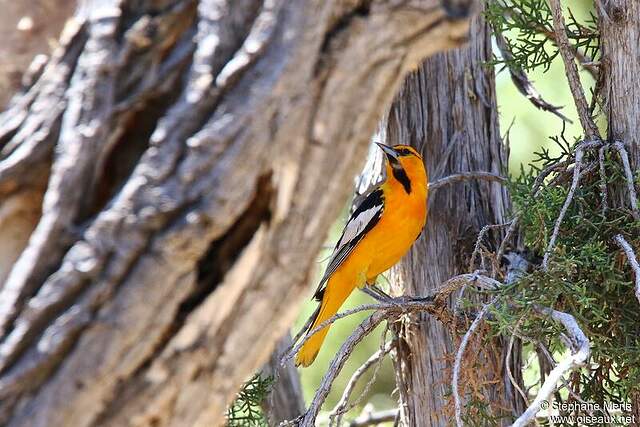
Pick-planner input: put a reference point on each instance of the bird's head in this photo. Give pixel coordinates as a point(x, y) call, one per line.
point(405, 164)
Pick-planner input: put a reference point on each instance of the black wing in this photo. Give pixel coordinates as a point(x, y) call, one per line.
point(363, 219)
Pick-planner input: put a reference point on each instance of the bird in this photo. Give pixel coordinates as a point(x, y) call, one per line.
point(377, 235)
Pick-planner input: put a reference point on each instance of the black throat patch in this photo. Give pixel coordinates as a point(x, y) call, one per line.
point(401, 176)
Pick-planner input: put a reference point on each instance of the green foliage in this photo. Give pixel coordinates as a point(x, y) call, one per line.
point(246, 410)
point(588, 277)
point(528, 30)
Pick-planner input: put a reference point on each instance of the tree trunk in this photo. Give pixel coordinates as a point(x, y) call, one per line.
point(619, 23)
point(191, 156)
point(448, 110)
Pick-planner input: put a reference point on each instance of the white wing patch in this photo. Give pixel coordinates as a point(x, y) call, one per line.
point(356, 225)
point(365, 217)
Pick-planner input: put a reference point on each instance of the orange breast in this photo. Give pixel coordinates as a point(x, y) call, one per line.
point(403, 219)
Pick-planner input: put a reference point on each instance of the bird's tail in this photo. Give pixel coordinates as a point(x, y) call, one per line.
point(332, 299)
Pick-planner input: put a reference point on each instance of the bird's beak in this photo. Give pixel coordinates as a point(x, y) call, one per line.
point(390, 152)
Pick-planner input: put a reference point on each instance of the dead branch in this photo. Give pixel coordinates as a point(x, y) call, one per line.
point(633, 197)
point(507, 236)
point(588, 125)
point(603, 179)
point(586, 62)
point(396, 307)
point(343, 406)
point(404, 304)
point(574, 186)
point(375, 418)
point(522, 82)
point(632, 259)
point(476, 248)
point(580, 348)
point(513, 381)
point(365, 328)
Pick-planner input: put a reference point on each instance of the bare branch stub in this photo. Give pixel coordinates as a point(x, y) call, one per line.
point(465, 176)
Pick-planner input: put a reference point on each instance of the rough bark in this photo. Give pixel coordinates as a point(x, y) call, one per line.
point(191, 156)
point(27, 30)
point(619, 23)
point(448, 109)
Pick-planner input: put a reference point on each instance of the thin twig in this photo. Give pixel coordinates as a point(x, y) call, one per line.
point(368, 325)
point(476, 249)
point(585, 61)
point(603, 179)
point(633, 197)
point(537, 184)
point(458, 361)
point(580, 353)
point(632, 259)
point(503, 245)
point(343, 406)
point(574, 186)
point(297, 345)
point(385, 311)
point(562, 41)
point(375, 418)
point(522, 82)
point(513, 381)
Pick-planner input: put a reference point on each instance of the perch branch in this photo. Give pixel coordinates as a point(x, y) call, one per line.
point(632, 259)
point(403, 304)
point(384, 311)
point(580, 353)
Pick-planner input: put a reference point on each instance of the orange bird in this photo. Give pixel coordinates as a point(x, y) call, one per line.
point(379, 233)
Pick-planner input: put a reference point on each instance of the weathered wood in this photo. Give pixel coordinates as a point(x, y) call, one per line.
point(196, 153)
point(619, 25)
point(448, 110)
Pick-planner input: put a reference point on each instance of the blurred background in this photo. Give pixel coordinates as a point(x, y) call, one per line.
point(529, 131)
